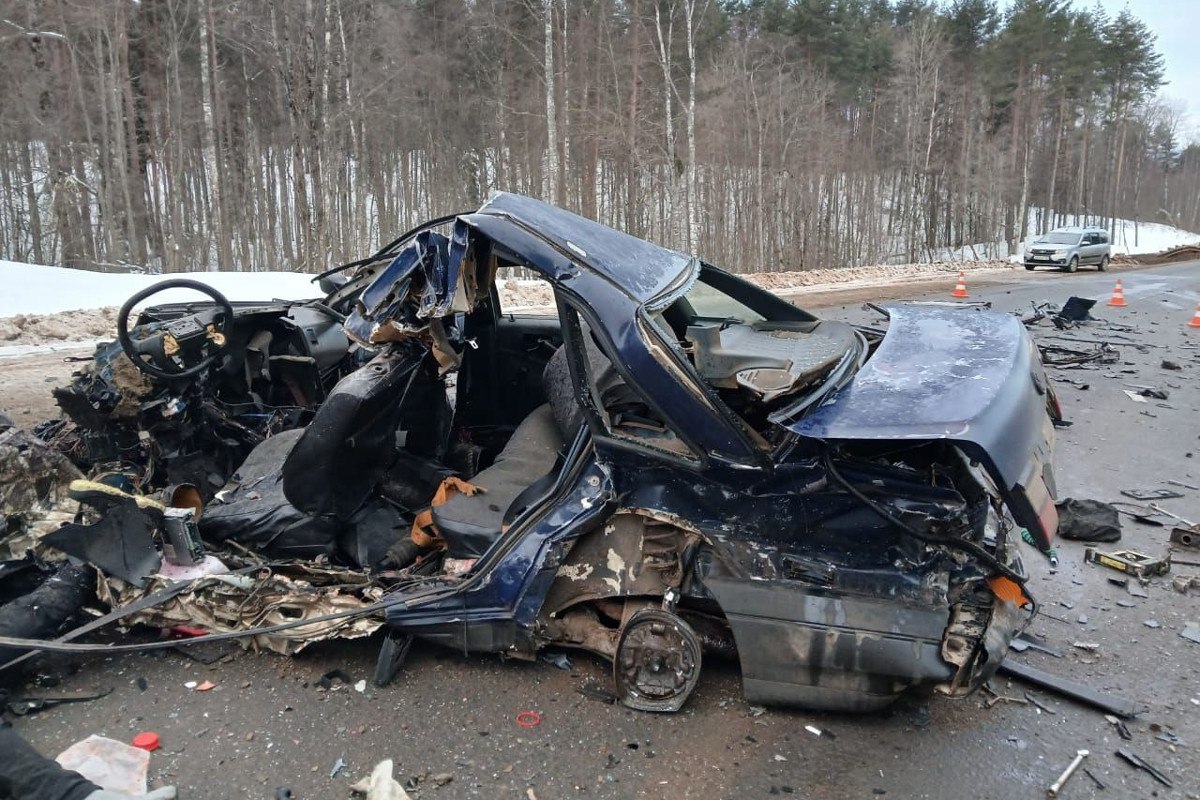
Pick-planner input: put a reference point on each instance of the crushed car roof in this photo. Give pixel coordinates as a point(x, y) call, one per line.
point(642, 269)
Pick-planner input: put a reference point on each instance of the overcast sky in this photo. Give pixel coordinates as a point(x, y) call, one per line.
point(1175, 24)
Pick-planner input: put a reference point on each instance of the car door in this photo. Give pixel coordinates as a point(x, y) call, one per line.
point(1092, 248)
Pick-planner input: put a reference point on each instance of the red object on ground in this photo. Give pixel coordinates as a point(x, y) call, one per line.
point(1118, 296)
point(529, 719)
point(187, 630)
point(960, 288)
point(147, 740)
point(1195, 323)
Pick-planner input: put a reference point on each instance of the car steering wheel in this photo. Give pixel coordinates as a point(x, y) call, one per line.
point(178, 348)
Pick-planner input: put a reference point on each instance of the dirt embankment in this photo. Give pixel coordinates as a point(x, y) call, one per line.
point(1185, 252)
point(66, 326)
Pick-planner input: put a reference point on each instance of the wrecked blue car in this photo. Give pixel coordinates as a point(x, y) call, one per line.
point(668, 464)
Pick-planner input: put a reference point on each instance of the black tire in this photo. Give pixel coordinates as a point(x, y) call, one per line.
point(1073, 264)
point(1030, 267)
point(1103, 265)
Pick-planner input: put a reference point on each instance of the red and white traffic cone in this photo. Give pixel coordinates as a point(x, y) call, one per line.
point(1118, 296)
point(960, 288)
point(1195, 323)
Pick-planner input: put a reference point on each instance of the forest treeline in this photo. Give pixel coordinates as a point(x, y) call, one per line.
point(762, 134)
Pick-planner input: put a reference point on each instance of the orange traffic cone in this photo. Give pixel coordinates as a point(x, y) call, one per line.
point(1195, 323)
point(960, 288)
point(1118, 296)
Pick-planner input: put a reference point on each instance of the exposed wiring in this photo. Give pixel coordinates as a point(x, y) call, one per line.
point(388, 249)
point(946, 541)
point(71, 647)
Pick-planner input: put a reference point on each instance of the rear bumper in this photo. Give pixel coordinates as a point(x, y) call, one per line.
point(808, 647)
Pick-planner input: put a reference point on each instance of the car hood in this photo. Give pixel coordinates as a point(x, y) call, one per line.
point(969, 376)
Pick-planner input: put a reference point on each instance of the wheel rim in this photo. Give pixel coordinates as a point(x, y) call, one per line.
point(657, 662)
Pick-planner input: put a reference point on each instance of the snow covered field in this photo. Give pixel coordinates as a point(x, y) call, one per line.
point(1134, 238)
point(34, 289)
point(1131, 238)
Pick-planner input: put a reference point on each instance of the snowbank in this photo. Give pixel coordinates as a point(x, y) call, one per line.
point(1130, 237)
point(34, 289)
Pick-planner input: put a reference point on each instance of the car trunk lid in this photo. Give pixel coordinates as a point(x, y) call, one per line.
point(969, 376)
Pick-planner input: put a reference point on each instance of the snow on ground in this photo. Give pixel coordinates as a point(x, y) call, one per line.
point(1131, 238)
point(1150, 237)
point(35, 289)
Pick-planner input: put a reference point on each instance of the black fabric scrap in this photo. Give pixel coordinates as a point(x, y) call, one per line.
point(1088, 520)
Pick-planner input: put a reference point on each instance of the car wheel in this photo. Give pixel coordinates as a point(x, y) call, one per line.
point(1073, 264)
point(657, 663)
point(1103, 265)
point(1029, 267)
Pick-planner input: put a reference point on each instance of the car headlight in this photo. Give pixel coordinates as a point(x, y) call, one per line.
point(1060, 253)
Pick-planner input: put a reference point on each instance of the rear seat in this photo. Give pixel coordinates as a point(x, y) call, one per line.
point(470, 525)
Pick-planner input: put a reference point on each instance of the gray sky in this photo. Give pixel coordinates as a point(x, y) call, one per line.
point(1175, 23)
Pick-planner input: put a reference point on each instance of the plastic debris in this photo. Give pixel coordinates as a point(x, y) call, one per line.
point(380, 785)
point(111, 765)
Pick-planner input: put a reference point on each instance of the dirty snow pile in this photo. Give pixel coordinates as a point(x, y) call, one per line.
point(864, 276)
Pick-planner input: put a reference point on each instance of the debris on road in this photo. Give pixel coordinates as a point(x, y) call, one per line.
point(1059, 356)
point(1088, 520)
point(1150, 494)
point(1191, 632)
point(326, 680)
point(557, 659)
point(112, 765)
point(1057, 786)
point(1140, 763)
point(380, 785)
point(147, 740)
point(1121, 727)
point(529, 719)
point(1022, 643)
point(1131, 562)
point(1099, 783)
point(1034, 701)
point(1068, 688)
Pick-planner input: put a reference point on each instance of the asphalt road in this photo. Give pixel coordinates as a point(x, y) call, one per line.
point(267, 725)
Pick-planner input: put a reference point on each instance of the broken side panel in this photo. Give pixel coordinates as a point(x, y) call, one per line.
point(415, 284)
